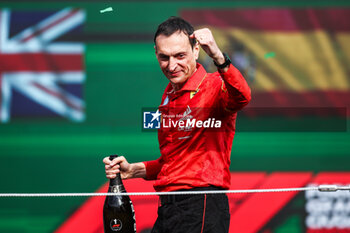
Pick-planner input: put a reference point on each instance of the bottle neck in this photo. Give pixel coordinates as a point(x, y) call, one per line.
point(117, 189)
point(117, 181)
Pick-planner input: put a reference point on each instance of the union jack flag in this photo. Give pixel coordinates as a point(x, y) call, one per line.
point(41, 70)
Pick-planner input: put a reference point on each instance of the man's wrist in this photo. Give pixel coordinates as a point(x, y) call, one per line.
point(225, 64)
point(219, 59)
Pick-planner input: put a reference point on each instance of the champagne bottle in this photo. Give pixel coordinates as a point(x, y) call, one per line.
point(118, 211)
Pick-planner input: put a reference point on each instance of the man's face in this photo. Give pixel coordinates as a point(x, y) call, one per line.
point(176, 57)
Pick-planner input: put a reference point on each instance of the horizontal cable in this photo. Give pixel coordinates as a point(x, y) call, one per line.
point(321, 188)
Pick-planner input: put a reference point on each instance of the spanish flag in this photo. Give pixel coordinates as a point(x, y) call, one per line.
point(296, 57)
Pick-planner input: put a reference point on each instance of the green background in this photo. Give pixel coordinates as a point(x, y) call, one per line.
point(123, 76)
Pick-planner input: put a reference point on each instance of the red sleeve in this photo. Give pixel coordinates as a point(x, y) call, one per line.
point(236, 92)
point(152, 169)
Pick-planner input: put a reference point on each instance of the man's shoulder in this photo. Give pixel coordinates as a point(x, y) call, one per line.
point(214, 78)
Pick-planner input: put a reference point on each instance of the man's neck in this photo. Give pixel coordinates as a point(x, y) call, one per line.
point(177, 86)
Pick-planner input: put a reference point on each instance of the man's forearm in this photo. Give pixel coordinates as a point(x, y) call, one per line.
point(138, 170)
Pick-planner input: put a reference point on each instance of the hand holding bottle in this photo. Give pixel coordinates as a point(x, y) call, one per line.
point(121, 165)
point(118, 210)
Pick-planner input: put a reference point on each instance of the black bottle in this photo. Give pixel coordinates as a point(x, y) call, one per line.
point(118, 211)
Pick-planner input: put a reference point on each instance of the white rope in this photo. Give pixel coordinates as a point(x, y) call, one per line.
point(321, 188)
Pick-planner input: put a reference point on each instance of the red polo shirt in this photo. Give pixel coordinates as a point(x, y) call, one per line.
point(196, 152)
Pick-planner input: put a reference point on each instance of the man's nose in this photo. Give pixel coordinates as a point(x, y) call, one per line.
point(172, 64)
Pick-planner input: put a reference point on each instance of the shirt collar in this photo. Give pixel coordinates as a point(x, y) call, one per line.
point(193, 82)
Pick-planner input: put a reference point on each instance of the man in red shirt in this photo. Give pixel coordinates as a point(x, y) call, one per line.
point(199, 112)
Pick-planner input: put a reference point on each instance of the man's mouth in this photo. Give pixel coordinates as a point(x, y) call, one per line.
point(175, 74)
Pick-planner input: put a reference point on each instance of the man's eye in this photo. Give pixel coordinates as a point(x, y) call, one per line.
point(181, 55)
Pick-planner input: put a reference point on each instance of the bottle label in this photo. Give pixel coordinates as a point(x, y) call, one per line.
point(133, 214)
point(116, 225)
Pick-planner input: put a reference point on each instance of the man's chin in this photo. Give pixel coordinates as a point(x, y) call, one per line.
point(177, 80)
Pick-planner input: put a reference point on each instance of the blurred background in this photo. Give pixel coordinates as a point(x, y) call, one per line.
point(73, 82)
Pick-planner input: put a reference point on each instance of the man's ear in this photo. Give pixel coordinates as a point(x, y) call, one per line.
point(196, 49)
point(155, 49)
